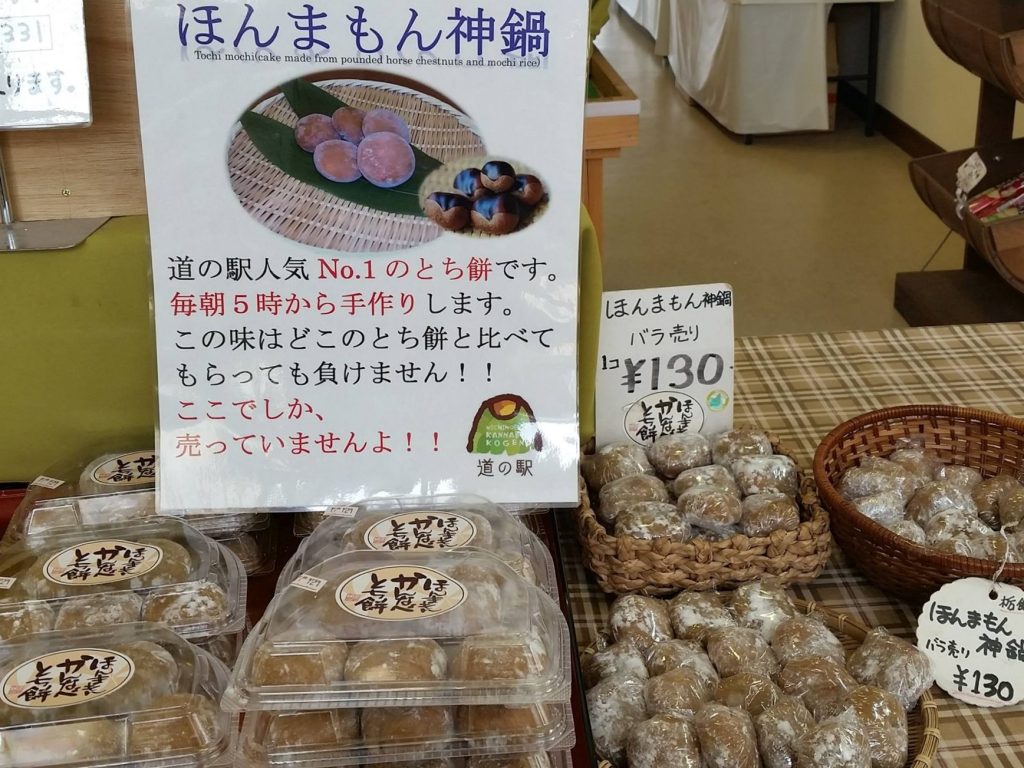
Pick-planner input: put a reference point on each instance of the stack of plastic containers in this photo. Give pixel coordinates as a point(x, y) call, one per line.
point(118, 486)
point(121, 697)
point(414, 632)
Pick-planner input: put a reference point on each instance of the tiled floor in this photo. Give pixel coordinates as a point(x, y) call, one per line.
point(810, 229)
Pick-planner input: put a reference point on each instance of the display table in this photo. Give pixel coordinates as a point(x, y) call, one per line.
point(800, 387)
point(759, 66)
point(653, 16)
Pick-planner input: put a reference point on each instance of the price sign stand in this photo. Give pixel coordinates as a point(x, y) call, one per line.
point(44, 83)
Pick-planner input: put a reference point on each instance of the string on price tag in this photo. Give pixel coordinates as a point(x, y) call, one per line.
point(47, 482)
point(309, 583)
point(973, 633)
point(348, 512)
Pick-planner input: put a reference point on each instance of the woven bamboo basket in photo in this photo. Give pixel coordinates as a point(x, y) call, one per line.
point(314, 217)
point(623, 564)
point(992, 443)
point(922, 721)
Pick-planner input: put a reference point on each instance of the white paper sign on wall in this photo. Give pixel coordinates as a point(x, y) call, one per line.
point(44, 72)
point(666, 363)
point(973, 634)
point(324, 333)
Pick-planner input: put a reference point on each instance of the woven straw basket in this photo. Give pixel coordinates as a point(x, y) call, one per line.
point(992, 443)
point(922, 721)
point(623, 564)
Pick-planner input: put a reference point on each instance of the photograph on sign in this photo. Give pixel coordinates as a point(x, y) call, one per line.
point(666, 363)
point(365, 253)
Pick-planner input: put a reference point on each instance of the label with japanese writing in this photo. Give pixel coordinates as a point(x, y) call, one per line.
point(346, 511)
point(45, 76)
point(309, 583)
point(666, 363)
point(973, 634)
point(47, 482)
point(66, 678)
point(400, 593)
point(6, 582)
point(421, 530)
point(137, 468)
point(365, 227)
point(102, 562)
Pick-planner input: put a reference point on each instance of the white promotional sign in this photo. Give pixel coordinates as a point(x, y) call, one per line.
point(44, 72)
point(973, 634)
point(666, 363)
point(365, 233)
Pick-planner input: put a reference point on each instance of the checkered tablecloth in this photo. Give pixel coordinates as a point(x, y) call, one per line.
point(800, 387)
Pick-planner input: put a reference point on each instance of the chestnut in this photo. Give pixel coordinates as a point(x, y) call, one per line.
point(470, 184)
point(449, 211)
point(528, 189)
point(497, 215)
point(498, 176)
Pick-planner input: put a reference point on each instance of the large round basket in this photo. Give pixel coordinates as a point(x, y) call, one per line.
point(922, 721)
point(623, 564)
point(992, 443)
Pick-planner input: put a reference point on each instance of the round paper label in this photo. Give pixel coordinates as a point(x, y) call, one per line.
point(104, 561)
point(660, 414)
point(400, 593)
point(128, 469)
point(420, 530)
point(66, 678)
point(973, 634)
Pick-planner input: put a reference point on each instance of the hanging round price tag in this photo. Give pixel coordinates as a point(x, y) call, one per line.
point(973, 633)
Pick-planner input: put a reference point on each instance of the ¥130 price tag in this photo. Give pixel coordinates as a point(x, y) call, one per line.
point(973, 633)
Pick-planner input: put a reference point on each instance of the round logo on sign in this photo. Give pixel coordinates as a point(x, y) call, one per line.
point(66, 678)
point(103, 561)
point(660, 414)
point(420, 530)
point(973, 634)
point(400, 593)
point(128, 469)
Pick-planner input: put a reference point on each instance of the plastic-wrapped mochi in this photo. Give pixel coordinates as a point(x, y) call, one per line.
point(671, 454)
point(664, 741)
point(640, 620)
point(616, 706)
point(779, 728)
point(892, 664)
point(762, 605)
point(727, 738)
point(614, 461)
point(694, 614)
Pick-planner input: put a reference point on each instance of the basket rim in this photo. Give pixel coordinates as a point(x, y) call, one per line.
point(842, 622)
point(837, 505)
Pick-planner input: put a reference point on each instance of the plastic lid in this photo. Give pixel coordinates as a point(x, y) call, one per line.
point(379, 628)
point(135, 695)
point(157, 570)
point(257, 550)
point(407, 736)
point(423, 524)
point(117, 486)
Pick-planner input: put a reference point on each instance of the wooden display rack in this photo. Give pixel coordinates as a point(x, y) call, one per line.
point(987, 38)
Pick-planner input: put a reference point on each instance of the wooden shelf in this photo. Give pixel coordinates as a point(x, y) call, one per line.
point(984, 36)
point(1001, 244)
point(956, 297)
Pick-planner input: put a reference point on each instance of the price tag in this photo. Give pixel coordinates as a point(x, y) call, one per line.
point(348, 512)
point(970, 174)
point(47, 482)
point(309, 583)
point(666, 363)
point(7, 582)
point(973, 633)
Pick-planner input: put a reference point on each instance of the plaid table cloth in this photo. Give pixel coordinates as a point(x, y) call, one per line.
point(800, 387)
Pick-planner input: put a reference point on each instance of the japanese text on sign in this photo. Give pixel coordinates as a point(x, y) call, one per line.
point(420, 530)
point(666, 363)
point(973, 633)
point(102, 562)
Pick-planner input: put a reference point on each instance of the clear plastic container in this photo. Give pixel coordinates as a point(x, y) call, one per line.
point(120, 697)
point(118, 486)
point(157, 570)
point(463, 736)
point(306, 522)
point(404, 629)
point(225, 647)
point(432, 523)
point(257, 550)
